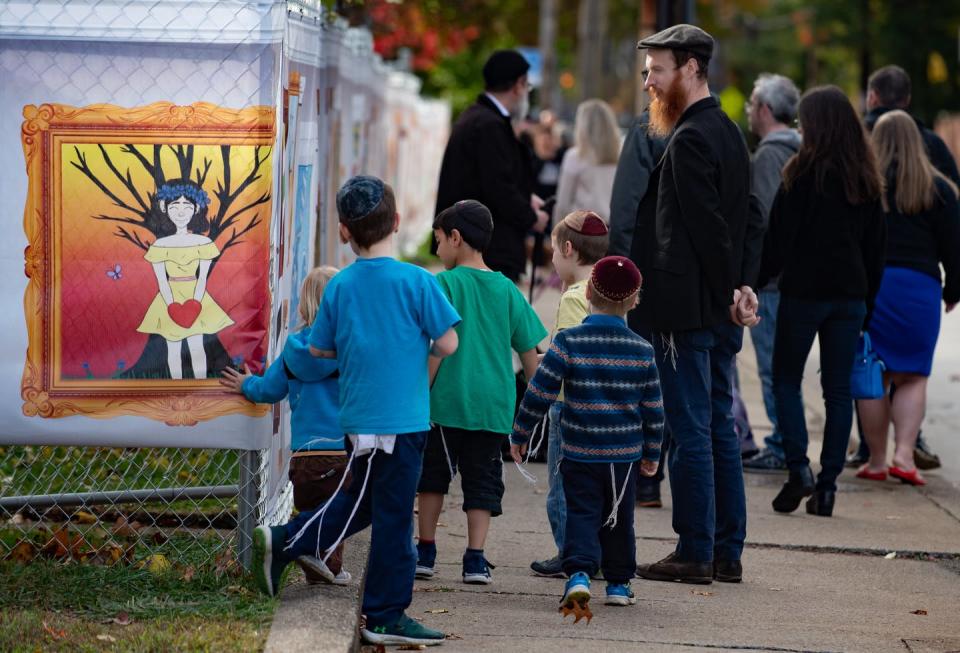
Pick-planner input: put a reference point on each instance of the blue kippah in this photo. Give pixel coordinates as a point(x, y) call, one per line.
point(358, 197)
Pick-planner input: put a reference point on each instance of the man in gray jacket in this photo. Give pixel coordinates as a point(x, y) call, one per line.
point(771, 112)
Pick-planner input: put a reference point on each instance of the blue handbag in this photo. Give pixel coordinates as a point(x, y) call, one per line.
point(866, 380)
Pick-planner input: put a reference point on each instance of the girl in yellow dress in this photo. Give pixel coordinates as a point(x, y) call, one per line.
point(181, 258)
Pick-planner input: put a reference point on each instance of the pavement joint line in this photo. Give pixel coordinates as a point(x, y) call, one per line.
point(724, 647)
point(929, 496)
point(906, 554)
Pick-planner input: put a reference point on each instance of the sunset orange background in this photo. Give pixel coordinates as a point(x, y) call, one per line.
point(97, 315)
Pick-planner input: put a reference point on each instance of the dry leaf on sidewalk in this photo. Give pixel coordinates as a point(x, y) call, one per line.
point(891, 555)
point(437, 611)
point(701, 593)
point(920, 612)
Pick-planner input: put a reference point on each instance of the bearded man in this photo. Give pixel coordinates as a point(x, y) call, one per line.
point(689, 242)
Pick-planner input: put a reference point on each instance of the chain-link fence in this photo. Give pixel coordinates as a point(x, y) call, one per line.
point(129, 504)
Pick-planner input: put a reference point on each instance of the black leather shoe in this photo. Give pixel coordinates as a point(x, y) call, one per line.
point(648, 495)
point(680, 571)
point(821, 503)
point(727, 571)
point(799, 485)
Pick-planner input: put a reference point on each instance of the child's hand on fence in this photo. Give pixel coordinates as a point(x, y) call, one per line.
point(648, 467)
point(518, 451)
point(233, 380)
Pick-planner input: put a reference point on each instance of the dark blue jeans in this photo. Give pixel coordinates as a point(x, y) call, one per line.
point(838, 325)
point(706, 477)
point(387, 505)
point(588, 544)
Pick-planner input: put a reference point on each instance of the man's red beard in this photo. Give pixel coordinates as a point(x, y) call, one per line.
point(666, 108)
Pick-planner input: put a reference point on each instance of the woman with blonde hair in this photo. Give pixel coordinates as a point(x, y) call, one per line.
point(588, 168)
point(923, 232)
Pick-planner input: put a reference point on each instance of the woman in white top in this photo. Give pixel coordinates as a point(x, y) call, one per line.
point(586, 175)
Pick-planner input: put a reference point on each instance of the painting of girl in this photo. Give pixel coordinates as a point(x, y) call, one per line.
point(181, 257)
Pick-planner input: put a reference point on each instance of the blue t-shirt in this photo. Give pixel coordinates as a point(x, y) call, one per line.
point(380, 315)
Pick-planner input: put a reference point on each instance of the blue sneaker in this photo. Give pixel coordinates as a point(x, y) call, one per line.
point(269, 561)
point(426, 559)
point(576, 597)
point(619, 594)
point(404, 631)
point(476, 569)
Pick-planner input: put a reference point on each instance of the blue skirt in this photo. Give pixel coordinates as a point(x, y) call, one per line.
point(906, 320)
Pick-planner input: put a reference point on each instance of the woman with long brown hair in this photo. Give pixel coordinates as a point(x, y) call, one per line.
point(826, 240)
point(923, 226)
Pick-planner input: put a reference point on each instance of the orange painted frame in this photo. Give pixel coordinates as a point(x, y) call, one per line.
point(177, 403)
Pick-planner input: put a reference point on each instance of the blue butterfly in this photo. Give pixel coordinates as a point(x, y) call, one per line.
point(115, 273)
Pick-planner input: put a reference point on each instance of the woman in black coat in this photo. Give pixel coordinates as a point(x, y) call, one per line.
point(826, 239)
point(923, 231)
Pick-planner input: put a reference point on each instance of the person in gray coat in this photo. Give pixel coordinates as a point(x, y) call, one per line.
point(771, 112)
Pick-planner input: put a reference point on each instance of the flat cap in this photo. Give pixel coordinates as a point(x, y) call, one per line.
point(681, 37)
point(504, 67)
point(358, 197)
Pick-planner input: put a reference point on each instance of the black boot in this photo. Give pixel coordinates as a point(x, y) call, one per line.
point(821, 503)
point(799, 485)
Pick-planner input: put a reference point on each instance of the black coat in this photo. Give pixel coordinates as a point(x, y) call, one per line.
point(690, 238)
point(484, 161)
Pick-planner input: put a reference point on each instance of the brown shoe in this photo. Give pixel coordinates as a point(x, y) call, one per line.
point(673, 569)
point(727, 571)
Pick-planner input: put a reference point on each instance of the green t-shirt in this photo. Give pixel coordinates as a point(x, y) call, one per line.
point(475, 388)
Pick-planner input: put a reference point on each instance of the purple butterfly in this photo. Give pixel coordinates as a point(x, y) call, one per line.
point(115, 273)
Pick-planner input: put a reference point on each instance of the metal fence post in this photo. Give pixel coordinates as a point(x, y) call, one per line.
point(247, 505)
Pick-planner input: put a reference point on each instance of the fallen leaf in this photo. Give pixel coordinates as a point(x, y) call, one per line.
point(453, 636)
point(122, 619)
point(578, 610)
point(56, 634)
point(106, 638)
point(157, 564)
point(111, 554)
point(123, 528)
point(24, 551)
point(17, 519)
point(701, 593)
point(920, 612)
point(84, 517)
point(189, 573)
point(891, 555)
point(437, 611)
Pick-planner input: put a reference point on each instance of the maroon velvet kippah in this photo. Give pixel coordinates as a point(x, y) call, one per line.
point(592, 225)
point(615, 278)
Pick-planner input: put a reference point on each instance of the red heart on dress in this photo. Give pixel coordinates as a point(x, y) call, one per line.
point(184, 314)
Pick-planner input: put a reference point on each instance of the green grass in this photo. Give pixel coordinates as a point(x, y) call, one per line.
point(168, 610)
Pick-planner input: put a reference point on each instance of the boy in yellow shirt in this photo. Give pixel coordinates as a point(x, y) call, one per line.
point(579, 240)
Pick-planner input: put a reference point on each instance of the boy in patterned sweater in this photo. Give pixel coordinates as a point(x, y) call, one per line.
point(612, 419)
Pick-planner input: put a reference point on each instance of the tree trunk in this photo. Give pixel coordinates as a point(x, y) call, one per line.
point(549, 88)
point(591, 41)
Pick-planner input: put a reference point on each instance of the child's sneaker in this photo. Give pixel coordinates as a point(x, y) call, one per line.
point(619, 594)
point(426, 559)
point(576, 597)
point(315, 570)
point(476, 569)
point(343, 578)
point(404, 631)
point(269, 560)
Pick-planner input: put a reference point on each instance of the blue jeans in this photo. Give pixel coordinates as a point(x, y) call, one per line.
point(556, 505)
point(387, 505)
point(590, 545)
point(838, 324)
point(706, 477)
point(763, 337)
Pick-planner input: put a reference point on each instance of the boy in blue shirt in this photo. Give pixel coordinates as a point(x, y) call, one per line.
point(378, 318)
point(611, 420)
point(474, 393)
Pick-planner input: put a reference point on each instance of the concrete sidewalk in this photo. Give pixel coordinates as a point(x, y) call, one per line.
point(810, 583)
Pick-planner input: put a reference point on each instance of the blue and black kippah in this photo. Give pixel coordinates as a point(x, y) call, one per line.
point(358, 197)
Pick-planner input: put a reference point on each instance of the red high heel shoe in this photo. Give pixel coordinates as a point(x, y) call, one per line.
point(863, 472)
point(910, 478)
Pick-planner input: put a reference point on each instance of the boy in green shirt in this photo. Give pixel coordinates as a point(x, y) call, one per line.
point(579, 240)
point(473, 392)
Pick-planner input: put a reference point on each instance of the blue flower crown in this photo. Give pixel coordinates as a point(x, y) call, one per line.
point(198, 196)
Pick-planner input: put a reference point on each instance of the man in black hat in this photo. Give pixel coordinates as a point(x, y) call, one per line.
point(484, 161)
point(690, 246)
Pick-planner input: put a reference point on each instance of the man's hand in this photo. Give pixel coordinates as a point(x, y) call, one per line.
point(743, 310)
point(517, 452)
point(536, 203)
point(233, 380)
point(648, 467)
